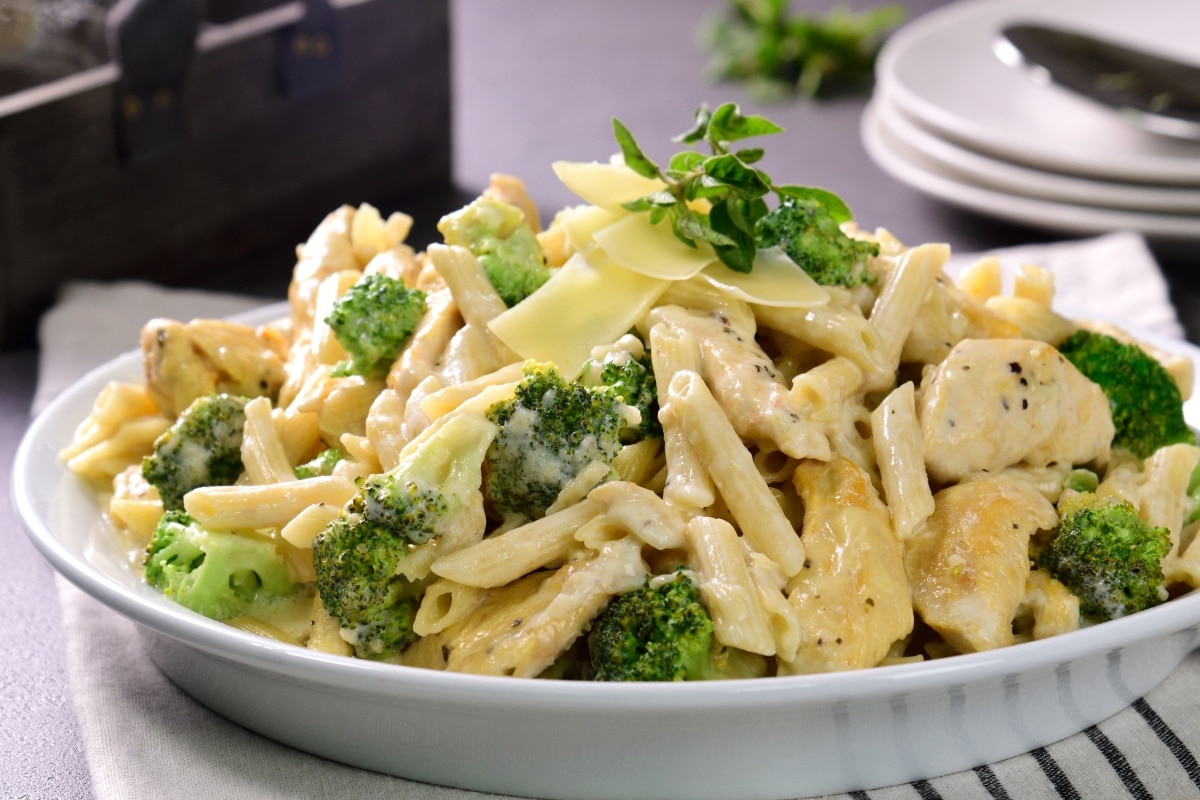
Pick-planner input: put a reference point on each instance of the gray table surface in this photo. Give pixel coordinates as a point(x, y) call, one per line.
point(534, 82)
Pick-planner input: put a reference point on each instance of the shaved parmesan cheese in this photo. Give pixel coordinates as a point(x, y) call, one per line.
point(605, 185)
point(653, 249)
point(774, 281)
point(591, 299)
point(581, 223)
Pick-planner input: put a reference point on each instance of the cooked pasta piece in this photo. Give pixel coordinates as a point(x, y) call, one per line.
point(688, 484)
point(731, 466)
point(445, 603)
point(511, 190)
point(479, 304)
point(345, 404)
point(840, 330)
point(729, 591)
point(1051, 607)
point(325, 632)
point(1034, 283)
point(421, 356)
point(982, 279)
point(117, 403)
point(299, 433)
point(1158, 489)
point(263, 454)
point(328, 249)
point(532, 641)
point(127, 444)
point(325, 345)
point(771, 586)
point(232, 508)
point(502, 559)
point(639, 462)
point(302, 529)
point(384, 427)
point(135, 504)
point(900, 298)
point(900, 454)
point(640, 513)
point(1033, 319)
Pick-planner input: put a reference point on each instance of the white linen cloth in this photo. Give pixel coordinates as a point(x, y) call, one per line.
point(145, 738)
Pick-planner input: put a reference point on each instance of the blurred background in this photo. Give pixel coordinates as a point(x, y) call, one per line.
point(196, 144)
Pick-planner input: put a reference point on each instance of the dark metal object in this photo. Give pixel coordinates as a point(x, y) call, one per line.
point(1156, 93)
point(153, 42)
point(306, 53)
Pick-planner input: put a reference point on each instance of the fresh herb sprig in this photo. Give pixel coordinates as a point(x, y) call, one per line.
point(736, 191)
point(777, 52)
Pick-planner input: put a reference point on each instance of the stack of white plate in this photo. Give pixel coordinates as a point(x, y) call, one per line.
point(951, 119)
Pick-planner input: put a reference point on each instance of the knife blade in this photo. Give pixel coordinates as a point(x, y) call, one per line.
point(1152, 91)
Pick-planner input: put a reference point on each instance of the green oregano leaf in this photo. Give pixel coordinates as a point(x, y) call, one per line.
point(717, 198)
point(635, 159)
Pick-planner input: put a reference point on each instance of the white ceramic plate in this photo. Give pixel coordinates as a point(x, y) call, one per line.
point(941, 70)
point(1005, 176)
point(925, 173)
point(765, 738)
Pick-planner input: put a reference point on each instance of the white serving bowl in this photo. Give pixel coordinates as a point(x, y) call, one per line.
point(762, 738)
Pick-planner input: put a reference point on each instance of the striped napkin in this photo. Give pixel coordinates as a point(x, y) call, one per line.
point(143, 737)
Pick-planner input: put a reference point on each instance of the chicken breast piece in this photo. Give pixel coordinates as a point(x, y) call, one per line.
point(852, 597)
point(993, 403)
point(968, 566)
point(746, 383)
point(184, 361)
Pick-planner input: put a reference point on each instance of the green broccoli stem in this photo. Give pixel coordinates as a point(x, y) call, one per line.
point(220, 574)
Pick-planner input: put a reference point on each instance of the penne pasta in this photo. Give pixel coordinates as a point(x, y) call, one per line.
point(732, 470)
point(267, 506)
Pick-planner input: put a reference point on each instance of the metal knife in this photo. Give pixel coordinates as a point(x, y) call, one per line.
point(1154, 92)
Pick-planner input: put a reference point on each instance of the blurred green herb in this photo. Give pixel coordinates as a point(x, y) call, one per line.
point(778, 52)
point(736, 190)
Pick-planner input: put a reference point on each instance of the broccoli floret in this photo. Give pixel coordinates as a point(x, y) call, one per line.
point(355, 560)
point(357, 557)
point(321, 464)
point(1147, 407)
point(507, 248)
point(1107, 556)
point(202, 448)
point(220, 574)
point(372, 321)
point(810, 236)
point(657, 632)
point(550, 430)
point(631, 379)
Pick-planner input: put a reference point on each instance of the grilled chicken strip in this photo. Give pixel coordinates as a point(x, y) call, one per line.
point(852, 597)
point(968, 566)
point(184, 361)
